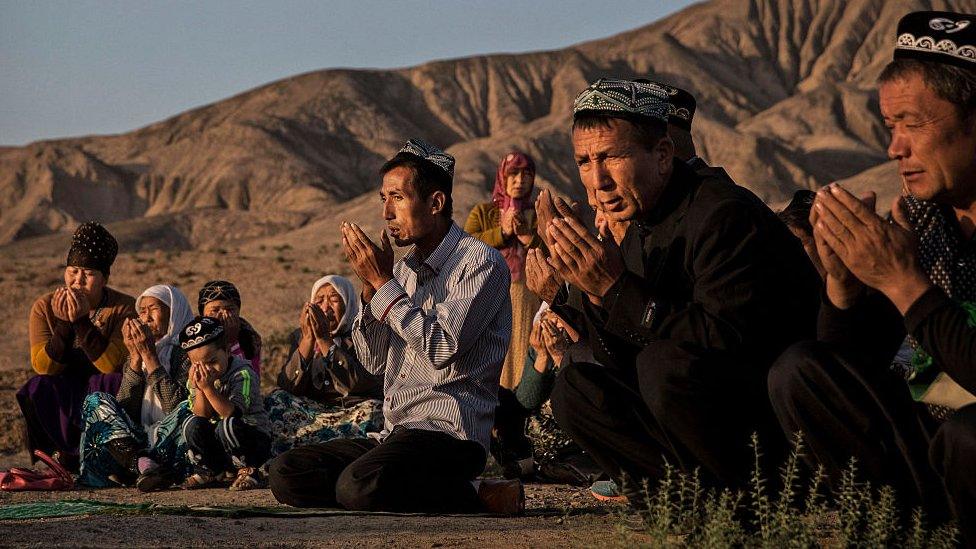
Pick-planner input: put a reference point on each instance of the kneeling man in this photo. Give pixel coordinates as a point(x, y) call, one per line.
point(684, 316)
point(437, 325)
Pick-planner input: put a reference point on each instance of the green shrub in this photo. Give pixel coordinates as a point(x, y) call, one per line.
point(680, 513)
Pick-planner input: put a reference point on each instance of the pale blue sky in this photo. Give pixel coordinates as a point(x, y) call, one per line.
point(90, 67)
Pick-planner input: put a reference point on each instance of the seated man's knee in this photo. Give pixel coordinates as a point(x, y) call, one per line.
point(953, 449)
point(666, 375)
point(288, 476)
point(787, 375)
point(574, 391)
point(361, 487)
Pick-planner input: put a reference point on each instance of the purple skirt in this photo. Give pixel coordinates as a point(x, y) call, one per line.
point(51, 405)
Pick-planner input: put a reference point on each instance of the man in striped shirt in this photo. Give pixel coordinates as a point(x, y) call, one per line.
point(437, 325)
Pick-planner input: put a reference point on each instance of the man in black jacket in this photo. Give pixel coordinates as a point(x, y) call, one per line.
point(917, 277)
point(705, 290)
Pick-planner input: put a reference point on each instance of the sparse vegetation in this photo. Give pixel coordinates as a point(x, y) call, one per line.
point(680, 513)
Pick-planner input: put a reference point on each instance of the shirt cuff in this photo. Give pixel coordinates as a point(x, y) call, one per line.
point(933, 299)
point(385, 297)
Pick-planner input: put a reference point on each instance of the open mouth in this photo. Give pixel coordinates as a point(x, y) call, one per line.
point(614, 205)
point(393, 231)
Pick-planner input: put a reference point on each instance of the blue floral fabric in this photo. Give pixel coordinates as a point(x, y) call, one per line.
point(104, 420)
point(299, 421)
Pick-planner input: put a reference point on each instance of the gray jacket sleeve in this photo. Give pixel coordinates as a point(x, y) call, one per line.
point(170, 387)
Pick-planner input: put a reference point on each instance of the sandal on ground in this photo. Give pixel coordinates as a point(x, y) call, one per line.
point(155, 479)
point(248, 478)
point(199, 480)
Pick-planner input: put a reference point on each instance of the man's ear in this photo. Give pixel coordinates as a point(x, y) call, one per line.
point(436, 202)
point(664, 154)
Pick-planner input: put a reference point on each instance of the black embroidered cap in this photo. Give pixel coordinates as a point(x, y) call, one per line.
point(681, 107)
point(938, 36)
point(201, 331)
point(217, 290)
point(624, 98)
point(92, 247)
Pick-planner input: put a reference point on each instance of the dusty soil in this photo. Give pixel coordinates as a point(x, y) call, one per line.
point(557, 515)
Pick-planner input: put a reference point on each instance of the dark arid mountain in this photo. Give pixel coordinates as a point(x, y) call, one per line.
point(786, 101)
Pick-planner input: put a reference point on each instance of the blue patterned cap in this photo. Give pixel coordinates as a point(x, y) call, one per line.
point(624, 97)
point(431, 154)
point(681, 105)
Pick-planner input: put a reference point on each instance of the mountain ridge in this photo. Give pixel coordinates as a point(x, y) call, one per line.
point(786, 101)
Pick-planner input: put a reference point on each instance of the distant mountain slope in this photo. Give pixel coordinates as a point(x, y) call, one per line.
point(785, 89)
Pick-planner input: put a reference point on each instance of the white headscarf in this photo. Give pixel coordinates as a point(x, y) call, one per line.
point(538, 315)
point(180, 315)
point(348, 293)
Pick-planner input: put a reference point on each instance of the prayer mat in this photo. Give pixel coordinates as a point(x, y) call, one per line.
point(79, 507)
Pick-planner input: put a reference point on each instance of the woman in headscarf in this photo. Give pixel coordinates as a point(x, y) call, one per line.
point(507, 223)
point(325, 391)
point(221, 300)
point(136, 436)
point(75, 346)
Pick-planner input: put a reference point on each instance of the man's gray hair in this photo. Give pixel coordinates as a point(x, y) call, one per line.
point(953, 84)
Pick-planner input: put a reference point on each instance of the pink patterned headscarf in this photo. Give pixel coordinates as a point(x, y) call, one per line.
point(514, 254)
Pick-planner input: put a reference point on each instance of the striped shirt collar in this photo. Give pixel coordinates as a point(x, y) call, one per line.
point(436, 260)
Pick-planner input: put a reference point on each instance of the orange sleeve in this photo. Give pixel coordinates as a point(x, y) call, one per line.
point(49, 338)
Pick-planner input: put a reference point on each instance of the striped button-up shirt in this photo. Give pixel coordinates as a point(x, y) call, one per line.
point(438, 332)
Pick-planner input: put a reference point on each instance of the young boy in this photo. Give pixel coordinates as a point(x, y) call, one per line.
point(229, 426)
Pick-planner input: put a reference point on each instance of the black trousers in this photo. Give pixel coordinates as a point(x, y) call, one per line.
point(412, 470)
point(847, 407)
point(509, 443)
point(229, 443)
point(693, 411)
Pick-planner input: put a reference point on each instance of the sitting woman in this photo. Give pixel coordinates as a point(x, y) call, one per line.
point(553, 344)
point(325, 391)
point(508, 224)
point(75, 346)
point(220, 299)
point(137, 436)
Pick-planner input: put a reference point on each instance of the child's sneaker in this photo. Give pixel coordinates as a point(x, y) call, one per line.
point(200, 479)
point(248, 478)
point(607, 490)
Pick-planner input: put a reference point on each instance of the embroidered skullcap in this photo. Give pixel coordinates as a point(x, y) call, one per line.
point(938, 36)
point(681, 105)
point(430, 153)
point(218, 290)
point(623, 98)
point(92, 247)
point(201, 331)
